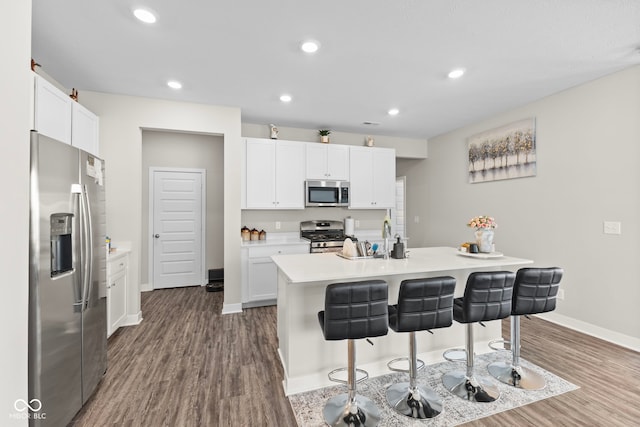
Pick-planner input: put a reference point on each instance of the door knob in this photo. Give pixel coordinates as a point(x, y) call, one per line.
point(156, 236)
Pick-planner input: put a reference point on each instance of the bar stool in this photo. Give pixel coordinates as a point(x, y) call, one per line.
point(487, 296)
point(353, 310)
point(423, 304)
point(534, 291)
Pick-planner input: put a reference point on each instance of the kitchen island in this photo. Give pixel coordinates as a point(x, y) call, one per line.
point(302, 278)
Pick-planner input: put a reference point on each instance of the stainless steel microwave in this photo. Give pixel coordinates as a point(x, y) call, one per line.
point(326, 193)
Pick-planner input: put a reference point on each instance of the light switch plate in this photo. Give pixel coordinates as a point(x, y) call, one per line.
point(612, 227)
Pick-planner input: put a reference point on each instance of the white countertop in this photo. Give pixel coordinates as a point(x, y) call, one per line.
point(276, 239)
point(119, 252)
point(301, 268)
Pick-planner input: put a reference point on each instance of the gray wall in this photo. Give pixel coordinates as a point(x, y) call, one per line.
point(185, 150)
point(588, 149)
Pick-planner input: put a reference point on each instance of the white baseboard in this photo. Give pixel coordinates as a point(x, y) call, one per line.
point(231, 308)
point(623, 340)
point(146, 287)
point(132, 319)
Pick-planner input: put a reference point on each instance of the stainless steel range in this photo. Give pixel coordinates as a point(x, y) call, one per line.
point(325, 236)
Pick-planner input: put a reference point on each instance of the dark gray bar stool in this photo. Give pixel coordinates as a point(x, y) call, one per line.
point(423, 304)
point(487, 296)
point(534, 291)
point(353, 311)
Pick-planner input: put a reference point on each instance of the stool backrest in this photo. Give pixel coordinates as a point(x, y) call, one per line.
point(356, 310)
point(425, 304)
point(535, 290)
point(487, 296)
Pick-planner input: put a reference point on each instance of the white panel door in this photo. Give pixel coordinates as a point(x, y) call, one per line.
point(178, 229)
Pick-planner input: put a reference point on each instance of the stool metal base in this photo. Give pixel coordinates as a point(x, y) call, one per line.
point(420, 402)
point(475, 389)
point(340, 412)
point(517, 376)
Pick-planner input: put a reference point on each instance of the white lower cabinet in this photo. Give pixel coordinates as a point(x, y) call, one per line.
point(260, 274)
point(117, 269)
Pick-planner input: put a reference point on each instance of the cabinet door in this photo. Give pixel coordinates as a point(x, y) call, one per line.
point(290, 167)
point(263, 279)
point(261, 174)
point(116, 294)
point(316, 161)
point(338, 162)
point(52, 111)
point(360, 178)
point(384, 178)
point(84, 125)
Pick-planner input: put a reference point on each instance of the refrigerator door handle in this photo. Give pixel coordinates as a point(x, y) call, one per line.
point(78, 282)
point(87, 249)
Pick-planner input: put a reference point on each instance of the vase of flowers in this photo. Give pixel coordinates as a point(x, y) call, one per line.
point(484, 226)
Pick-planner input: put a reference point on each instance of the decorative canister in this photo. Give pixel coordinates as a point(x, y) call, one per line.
point(263, 235)
point(255, 235)
point(245, 234)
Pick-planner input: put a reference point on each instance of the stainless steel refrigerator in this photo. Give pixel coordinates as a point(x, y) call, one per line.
point(67, 280)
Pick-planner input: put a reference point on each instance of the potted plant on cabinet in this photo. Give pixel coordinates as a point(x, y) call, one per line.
point(324, 135)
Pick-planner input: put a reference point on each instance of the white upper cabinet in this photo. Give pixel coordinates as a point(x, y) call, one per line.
point(372, 178)
point(52, 111)
point(58, 116)
point(84, 129)
point(325, 161)
point(275, 174)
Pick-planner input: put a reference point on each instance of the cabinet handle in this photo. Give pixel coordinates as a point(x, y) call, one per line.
point(121, 264)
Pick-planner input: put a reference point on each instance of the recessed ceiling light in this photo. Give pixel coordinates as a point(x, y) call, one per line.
point(310, 46)
point(174, 84)
point(285, 98)
point(393, 112)
point(456, 74)
point(145, 16)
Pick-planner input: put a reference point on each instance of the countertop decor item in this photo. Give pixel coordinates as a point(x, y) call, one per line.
point(324, 135)
point(484, 226)
point(245, 233)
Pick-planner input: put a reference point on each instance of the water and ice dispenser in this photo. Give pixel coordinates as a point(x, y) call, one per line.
point(61, 243)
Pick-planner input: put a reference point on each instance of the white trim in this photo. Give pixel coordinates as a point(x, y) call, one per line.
point(614, 337)
point(231, 308)
point(203, 220)
point(146, 287)
point(132, 319)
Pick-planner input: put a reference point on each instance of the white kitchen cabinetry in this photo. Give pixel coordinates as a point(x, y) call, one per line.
point(372, 177)
point(260, 275)
point(325, 161)
point(58, 116)
point(52, 111)
point(275, 174)
point(84, 129)
point(117, 269)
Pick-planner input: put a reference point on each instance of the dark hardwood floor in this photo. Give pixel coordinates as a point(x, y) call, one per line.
point(187, 365)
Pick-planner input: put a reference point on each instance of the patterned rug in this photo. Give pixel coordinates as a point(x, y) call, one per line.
point(307, 406)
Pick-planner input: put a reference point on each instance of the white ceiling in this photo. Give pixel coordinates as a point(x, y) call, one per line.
point(374, 55)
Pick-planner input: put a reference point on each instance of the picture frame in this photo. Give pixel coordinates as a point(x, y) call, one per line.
point(505, 152)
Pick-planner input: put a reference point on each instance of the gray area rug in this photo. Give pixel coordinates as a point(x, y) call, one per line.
point(308, 406)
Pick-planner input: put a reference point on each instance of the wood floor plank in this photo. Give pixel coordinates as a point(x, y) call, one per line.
point(187, 365)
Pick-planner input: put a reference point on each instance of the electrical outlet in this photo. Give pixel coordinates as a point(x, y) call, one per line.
point(561, 294)
point(612, 227)
point(277, 225)
point(416, 219)
point(357, 223)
